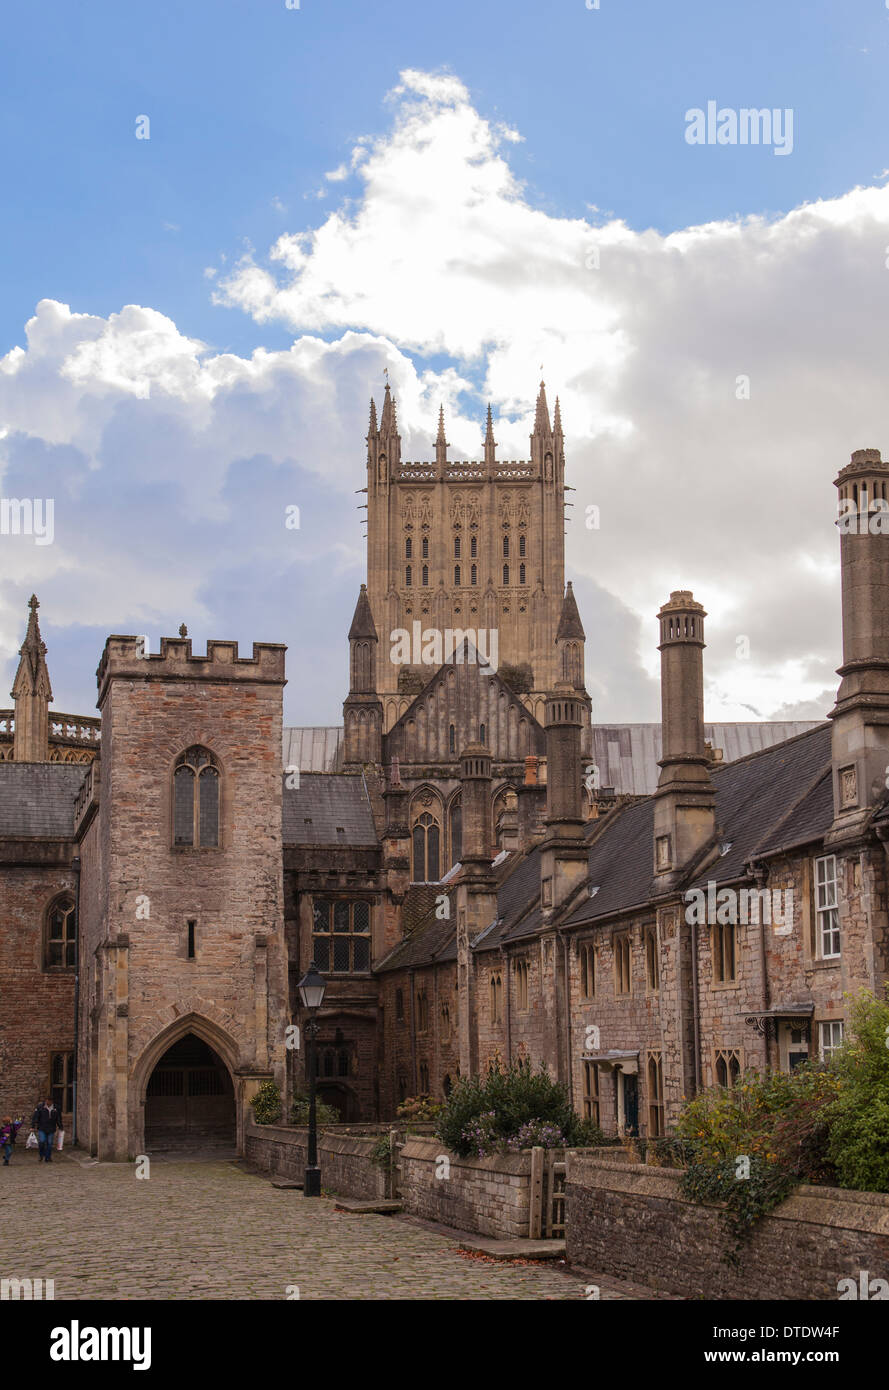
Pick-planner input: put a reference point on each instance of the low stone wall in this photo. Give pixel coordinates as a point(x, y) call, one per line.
point(344, 1157)
point(630, 1221)
point(490, 1196)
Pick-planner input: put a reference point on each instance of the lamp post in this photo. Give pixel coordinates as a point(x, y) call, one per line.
point(311, 992)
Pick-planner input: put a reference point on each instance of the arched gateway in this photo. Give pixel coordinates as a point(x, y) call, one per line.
point(190, 1099)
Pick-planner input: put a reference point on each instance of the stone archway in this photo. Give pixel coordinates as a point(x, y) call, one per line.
point(203, 1037)
point(190, 1099)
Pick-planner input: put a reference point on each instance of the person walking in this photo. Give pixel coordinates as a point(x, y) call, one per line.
point(8, 1130)
point(46, 1120)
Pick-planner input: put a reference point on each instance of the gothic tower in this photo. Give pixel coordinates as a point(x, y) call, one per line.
point(476, 546)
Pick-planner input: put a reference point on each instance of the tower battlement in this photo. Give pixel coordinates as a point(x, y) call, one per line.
point(125, 656)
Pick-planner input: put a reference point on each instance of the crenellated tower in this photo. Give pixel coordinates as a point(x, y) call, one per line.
point(468, 545)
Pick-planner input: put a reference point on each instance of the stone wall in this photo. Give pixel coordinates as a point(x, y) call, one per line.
point(344, 1159)
point(629, 1221)
point(490, 1196)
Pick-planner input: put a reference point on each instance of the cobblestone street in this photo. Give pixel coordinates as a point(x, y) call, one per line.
point(209, 1229)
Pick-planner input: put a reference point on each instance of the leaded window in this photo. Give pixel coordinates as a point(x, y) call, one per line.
point(341, 936)
point(196, 800)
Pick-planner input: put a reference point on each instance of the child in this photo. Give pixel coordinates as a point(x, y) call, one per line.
point(8, 1130)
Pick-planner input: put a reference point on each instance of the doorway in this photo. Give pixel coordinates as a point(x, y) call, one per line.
point(190, 1101)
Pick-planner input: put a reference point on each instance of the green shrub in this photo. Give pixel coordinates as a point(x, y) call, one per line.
point(267, 1104)
point(419, 1108)
point(324, 1114)
point(483, 1113)
point(858, 1119)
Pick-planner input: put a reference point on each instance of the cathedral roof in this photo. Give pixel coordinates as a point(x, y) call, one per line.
point(569, 621)
point(363, 622)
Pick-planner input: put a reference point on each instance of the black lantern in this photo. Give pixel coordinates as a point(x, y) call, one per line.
point(311, 992)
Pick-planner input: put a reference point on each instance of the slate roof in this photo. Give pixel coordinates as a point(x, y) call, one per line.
point(771, 800)
point(328, 809)
point(37, 799)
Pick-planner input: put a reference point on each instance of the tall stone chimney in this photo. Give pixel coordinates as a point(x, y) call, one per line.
point(476, 892)
point(860, 717)
point(32, 693)
point(563, 856)
point(684, 807)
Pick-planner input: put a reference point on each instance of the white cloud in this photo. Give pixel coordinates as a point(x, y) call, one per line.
point(443, 252)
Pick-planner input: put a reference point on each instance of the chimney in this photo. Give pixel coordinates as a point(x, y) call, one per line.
point(684, 807)
point(531, 805)
point(563, 860)
point(860, 737)
point(476, 893)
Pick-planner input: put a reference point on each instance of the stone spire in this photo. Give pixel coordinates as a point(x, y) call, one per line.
point(557, 418)
point(541, 421)
point(388, 423)
point(490, 444)
point(32, 693)
point(441, 444)
point(570, 639)
point(569, 622)
point(363, 623)
point(373, 416)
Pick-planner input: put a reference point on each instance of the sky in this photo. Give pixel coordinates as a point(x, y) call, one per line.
point(224, 222)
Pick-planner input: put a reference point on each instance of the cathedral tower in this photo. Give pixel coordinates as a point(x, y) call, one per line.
point(475, 546)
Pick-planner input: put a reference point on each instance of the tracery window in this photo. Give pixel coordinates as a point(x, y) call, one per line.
point(196, 800)
point(61, 934)
point(426, 843)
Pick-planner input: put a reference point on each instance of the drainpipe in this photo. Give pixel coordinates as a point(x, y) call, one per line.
point(412, 987)
point(696, 1003)
point(75, 865)
point(508, 973)
point(759, 873)
point(569, 1072)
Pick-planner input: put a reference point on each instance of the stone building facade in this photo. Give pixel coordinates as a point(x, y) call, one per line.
point(467, 881)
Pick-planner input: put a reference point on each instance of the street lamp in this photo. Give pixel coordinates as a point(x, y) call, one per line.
point(311, 992)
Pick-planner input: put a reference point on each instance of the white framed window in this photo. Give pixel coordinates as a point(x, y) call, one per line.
point(830, 1037)
point(827, 909)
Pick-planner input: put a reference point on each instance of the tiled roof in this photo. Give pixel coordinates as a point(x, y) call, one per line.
point(37, 799)
point(771, 800)
point(328, 809)
point(627, 754)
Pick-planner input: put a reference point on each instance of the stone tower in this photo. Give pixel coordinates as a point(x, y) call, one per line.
point(861, 714)
point(32, 693)
point(182, 915)
point(468, 545)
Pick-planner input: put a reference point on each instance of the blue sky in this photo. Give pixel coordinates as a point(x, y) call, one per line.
point(251, 107)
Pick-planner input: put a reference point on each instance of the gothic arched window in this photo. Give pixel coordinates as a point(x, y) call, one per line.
point(506, 574)
point(426, 839)
point(522, 546)
point(408, 548)
point(425, 547)
point(456, 547)
point(473, 574)
point(456, 818)
point(457, 575)
point(473, 547)
point(425, 576)
point(521, 574)
point(196, 800)
point(506, 547)
point(61, 934)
